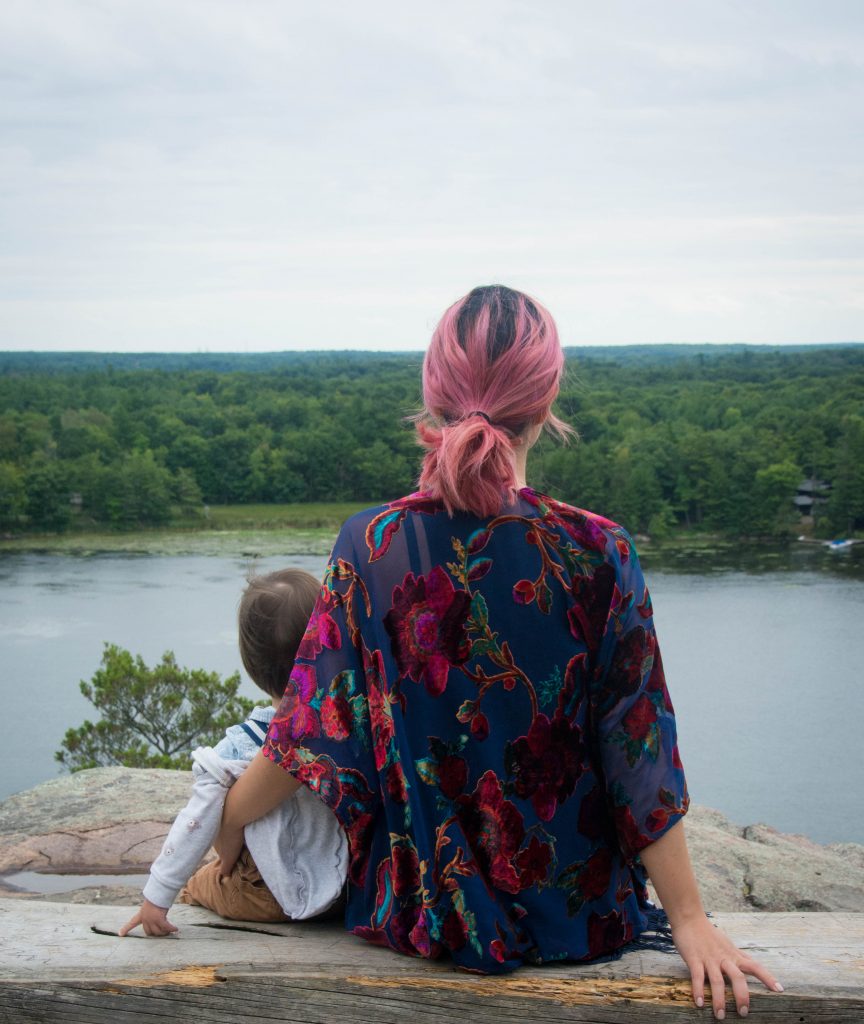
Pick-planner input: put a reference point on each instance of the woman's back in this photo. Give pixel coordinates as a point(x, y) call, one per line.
point(482, 703)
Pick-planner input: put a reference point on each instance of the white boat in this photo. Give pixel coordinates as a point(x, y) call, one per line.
point(838, 545)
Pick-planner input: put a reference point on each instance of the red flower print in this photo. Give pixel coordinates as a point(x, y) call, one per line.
point(427, 628)
point(592, 597)
point(377, 936)
point(657, 681)
point(406, 870)
point(498, 950)
point(547, 763)
point(533, 863)
point(477, 541)
point(384, 527)
point(596, 874)
point(454, 931)
point(336, 717)
point(420, 938)
point(359, 834)
point(630, 838)
point(494, 829)
point(452, 775)
point(584, 529)
point(628, 662)
point(479, 726)
point(657, 819)
point(295, 718)
point(380, 713)
point(397, 787)
point(402, 925)
point(606, 933)
point(320, 774)
point(321, 632)
point(640, 718)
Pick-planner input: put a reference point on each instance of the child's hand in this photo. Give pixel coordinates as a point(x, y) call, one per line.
point(153, 918)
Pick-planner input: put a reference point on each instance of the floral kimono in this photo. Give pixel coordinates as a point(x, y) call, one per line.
point(482, 704)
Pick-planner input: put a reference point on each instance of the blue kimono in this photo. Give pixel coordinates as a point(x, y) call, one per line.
point(482, 704)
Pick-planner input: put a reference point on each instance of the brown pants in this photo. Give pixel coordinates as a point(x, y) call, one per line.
point(243, 895)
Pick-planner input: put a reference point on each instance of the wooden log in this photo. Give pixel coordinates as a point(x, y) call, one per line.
point(65, 962)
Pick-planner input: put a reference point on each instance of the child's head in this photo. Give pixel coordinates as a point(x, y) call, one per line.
point(274, 612)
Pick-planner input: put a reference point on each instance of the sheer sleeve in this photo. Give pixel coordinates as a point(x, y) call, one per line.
point(321, 731)
point(633, 717)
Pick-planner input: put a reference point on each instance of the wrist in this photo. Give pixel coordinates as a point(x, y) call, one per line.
point(691, 913)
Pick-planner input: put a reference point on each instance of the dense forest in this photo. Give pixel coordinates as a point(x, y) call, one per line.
point(713, 439)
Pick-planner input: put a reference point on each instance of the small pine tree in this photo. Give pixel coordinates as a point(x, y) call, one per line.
point(151, 718)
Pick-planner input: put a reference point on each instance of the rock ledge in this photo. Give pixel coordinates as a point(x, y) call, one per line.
point(113, 821)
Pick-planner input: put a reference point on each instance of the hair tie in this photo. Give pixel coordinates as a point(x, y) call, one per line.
point(479, 412)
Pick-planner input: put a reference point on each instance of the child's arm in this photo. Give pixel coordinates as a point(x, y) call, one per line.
point(189, 839)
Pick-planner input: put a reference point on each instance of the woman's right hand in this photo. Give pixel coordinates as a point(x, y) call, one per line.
point(261, 788)
point(228, 845)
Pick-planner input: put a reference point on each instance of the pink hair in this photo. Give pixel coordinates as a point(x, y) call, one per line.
point(494, 353)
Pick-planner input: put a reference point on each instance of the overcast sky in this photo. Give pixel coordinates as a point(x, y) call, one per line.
point(188, 176)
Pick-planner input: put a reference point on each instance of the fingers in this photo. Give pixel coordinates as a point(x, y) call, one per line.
point(740, 992)
point(718, 990)
point(159, 928)
point(130, 924)
point(717, 973)
point(753, 967)
point(697, 975)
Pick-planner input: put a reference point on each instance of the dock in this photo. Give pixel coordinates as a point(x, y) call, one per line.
point(64, 962)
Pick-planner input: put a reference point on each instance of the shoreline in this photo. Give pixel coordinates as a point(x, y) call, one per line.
point(682, 551)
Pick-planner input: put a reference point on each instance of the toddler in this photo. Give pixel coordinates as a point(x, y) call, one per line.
point(294, 863)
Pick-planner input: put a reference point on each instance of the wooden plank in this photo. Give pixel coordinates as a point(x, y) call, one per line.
point(334, 1001)
point(54, 966)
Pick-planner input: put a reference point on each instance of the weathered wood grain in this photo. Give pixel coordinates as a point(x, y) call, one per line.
point(54, 966)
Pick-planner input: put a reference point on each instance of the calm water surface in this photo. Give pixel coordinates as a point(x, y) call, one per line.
point(764, 668)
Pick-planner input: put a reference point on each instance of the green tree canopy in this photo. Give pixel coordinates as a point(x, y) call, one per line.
point(151, 718)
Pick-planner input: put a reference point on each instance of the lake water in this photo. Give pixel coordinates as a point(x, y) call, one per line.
point(764, 667)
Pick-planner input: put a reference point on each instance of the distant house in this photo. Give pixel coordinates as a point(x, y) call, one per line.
point(811, 494)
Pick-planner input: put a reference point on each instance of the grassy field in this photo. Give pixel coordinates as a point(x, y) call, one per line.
point(247, 530)
point(299, 529)
point(311, 516)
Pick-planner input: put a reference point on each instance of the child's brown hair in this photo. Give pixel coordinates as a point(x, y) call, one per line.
point(274, 612)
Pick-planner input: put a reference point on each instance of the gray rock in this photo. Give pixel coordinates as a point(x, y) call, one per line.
point(106, 820)
point(113, 821)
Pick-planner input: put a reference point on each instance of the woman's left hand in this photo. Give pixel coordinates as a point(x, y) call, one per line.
point(710, 954)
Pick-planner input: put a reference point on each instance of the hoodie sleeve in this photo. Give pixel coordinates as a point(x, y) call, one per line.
point(189, 838)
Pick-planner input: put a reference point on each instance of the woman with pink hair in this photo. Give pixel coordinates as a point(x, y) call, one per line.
point(480, 697)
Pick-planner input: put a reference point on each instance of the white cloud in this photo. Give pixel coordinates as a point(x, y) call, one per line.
point(208, 175)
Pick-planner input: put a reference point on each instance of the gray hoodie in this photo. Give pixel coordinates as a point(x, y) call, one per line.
point(299, 847)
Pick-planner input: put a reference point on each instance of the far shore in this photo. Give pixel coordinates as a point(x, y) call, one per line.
point(310, 529)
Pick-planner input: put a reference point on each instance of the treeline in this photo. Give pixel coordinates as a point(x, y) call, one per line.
point(718, 440)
